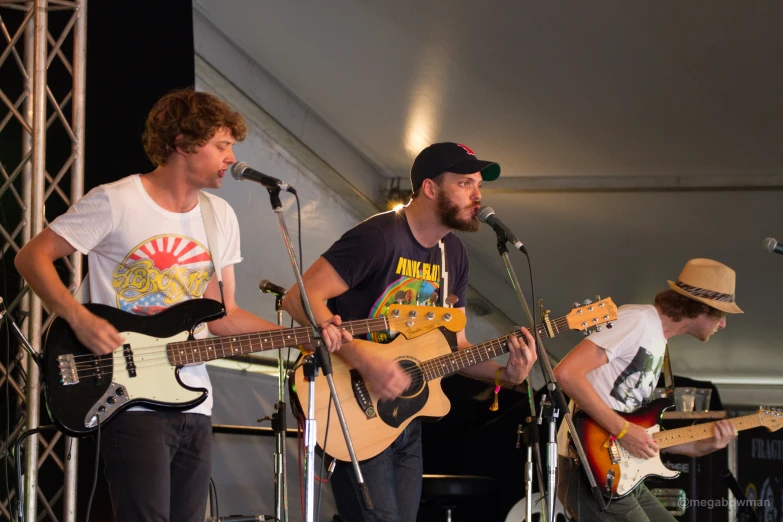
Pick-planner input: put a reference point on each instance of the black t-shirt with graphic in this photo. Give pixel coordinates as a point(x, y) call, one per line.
point(382, 263)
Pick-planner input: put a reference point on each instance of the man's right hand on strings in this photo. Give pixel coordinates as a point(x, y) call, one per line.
point(386, 380)
point(95, 333)
point(639, 442)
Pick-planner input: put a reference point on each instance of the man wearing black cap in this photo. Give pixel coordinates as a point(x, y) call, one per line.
point(399, 256)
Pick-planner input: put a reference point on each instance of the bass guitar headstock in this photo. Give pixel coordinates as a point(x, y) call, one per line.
point(412, 321)
point(592, 315)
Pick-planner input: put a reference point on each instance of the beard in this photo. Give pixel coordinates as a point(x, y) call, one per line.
point(450, 215)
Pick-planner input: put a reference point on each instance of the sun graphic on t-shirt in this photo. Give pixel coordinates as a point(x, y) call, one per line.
point(166, 251)
point(162, 271)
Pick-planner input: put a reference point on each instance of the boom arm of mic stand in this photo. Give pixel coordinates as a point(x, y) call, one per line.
point(553, 386)
point(322, 358)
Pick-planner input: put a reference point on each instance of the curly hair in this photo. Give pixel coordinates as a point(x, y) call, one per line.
point(678, 307)
point(187, 119)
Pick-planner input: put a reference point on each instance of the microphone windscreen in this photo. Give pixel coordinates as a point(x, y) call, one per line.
point(237, 169)
point(484, 213)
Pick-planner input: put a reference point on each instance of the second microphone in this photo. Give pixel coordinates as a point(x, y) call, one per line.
point(268, 287)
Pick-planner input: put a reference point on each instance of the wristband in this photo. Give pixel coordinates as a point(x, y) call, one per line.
point(495, 404)
point(624, 431)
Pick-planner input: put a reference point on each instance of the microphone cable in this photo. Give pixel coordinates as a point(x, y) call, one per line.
point(95, 476)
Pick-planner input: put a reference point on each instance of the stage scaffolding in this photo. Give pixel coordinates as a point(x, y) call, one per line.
point(38, 110)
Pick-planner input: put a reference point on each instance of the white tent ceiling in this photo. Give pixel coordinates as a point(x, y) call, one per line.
point(545, 88)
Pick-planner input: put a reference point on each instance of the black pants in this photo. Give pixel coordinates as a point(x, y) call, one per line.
point(393, 479)
point(158, 465)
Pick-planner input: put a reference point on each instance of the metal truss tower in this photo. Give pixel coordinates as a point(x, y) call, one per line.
point(30, 179)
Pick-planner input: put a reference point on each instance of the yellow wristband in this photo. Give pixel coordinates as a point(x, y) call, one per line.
point(495, 403)
point(624, 430)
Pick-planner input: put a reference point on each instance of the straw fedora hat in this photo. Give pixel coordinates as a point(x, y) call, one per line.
point(708, 282)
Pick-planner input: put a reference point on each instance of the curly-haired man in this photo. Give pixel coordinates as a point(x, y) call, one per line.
point(148, 249)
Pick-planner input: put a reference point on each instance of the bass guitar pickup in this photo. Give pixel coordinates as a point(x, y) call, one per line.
point(129, 364)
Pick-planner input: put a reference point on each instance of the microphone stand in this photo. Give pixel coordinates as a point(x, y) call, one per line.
point(529, 439)
point(322, 360)
point(279, 427)
point(745, 511)
point(36, 357)
point(555, 392)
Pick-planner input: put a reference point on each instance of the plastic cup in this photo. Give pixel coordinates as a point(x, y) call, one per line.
point(684, 398)
point(702, 399)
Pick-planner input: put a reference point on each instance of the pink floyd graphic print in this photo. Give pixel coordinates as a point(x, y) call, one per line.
point(406, 290)
point(160, 272)
point(382, 263)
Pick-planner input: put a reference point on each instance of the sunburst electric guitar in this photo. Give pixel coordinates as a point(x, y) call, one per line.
point(618, 473)
point(82, 389)
point(375, 424)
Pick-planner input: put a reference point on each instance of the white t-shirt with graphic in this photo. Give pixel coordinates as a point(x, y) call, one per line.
point(143, 258)
point(635, 347)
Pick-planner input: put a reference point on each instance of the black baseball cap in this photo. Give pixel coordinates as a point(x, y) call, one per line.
point(450, 157)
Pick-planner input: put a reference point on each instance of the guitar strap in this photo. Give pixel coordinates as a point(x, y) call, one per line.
point(444, 287)
point(668, 379)
point(82, 293)
point(208, 217)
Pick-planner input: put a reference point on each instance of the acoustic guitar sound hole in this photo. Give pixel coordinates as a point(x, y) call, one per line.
point(417, 378)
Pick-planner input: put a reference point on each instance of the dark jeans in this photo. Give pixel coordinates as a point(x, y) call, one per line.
point(158, 465)
point(393, 479)
point(574, 493)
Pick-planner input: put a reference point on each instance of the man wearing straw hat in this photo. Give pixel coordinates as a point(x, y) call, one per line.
point(618, 368)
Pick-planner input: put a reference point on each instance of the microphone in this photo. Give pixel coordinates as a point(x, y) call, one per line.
point(487, 215)
point(772, 245)
point(242, 171)
point(268, 287)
